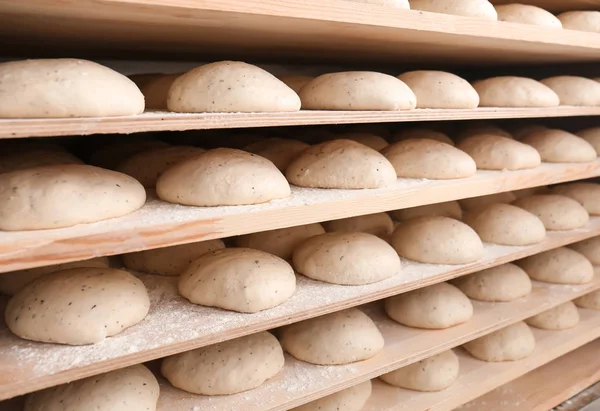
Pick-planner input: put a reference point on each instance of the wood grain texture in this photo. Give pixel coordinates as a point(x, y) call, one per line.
point(557, 6)
point(159, 224)
point(478, 377)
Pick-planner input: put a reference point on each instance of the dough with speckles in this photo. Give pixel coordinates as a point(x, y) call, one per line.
point(77, 306)
point(590, 249)
point(561, 317)
point(586, 194)
point(527, 14)
point(482, 9)
point(368, 139)
point(492, 152)
point(439, 89)
point(559, 266)
point(581, 20)
point(509, 91)
point(559, 146)
point(350, 399)
point(557, 212)
point(503, 283)
point(379, 224)
point(507, 344)
point(281, 151)
point(574, 90)
point(447, 209)
point(590, 300)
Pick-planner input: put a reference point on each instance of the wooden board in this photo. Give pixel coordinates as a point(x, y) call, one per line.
point(164, 121)
point(557, 6)
point(159, 224)
point(547, 386)
point(478, 377)
point(282, 29)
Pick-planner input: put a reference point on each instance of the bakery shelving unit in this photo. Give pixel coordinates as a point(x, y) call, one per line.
point(293, 31)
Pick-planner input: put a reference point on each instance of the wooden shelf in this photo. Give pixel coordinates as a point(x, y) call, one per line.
point(165, 121)
point(546, 387)
point(557, 6)
point(282, 29)
point(478, 377)
point(160, 224)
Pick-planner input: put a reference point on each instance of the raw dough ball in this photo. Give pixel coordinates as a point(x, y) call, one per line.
point(437, 240)
point(357, 90)
point(439, 89)
point(128, 389)
point(350, 399)
point(469, 204)
point(65, 88)
point(448, 209)
point(422, 158)
point(503, 283)
point(379, 224)
point(226, 368)
point(157, 89)
point(169, 260)
point(527, 14)
point(590, 300)
point(586, 194)
point(482, 9)
point(342, 164)
point(475, 128)
point(65, 195)
point(148, 165)
point(77, 306)
point(556, 212)
point(35, 158)
point(238, 279)
point(561, 317)
point(281, 151)
point(346, 258)
point(505, 224)
point(559, 266)
point(592, 136)
point(112, 155)
point(230, 86)
point(370, 140)
point(13, 282)
point(281, 242)
point(421, 133)
point(575, 91)
point(435, 373)
point(343, 337)
point(509, 91)
point(437, 306)
point(296, 82)
point(590, 249)
point(223, 176)
point(403, 4)
point(558, 146)
point(492, 152)
point(507, 344)
point(581, 20)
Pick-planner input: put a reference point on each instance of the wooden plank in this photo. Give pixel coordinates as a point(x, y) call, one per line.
point(159, 224)
point(545, 387)
point(557, 6)
point(164, 121)
point(478, 377)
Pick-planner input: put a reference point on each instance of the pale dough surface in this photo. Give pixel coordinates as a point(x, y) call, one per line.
point(447, 209)
point(379, 224)
point(12, 161)
point(586, 194)
point(527, 14)
point(371, 140)
point(581, 20)
point(503, 283)
point(281, 151)
point(590, 249)
point(509, 91)
point(281, 242)
point(561, 317)
point(558, 146)
point(590, 300)
point(507, 344)
point(557, 212)
point(592, 136)
point(350, 399)
point(559, 266)
point(471, 129)
point(574, 90)
point(493, 152)
point(440, 89)
point(420, 133)
point(482, 9)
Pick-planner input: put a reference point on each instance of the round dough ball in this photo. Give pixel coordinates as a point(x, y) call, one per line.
point(507, 344)
point(422, 158)
point(509, 91)
point(434, 307)
point(439, 89)
point(592, 136)
point(471, 129)
point(65, 195)
point(590, 249)
point(379, 224)
point(421, 133)
point(556, 212)
point(281, 151)
point(13, 282)
point(77, 306)
point(50, 88)
point(586, 194)
point(169, 260)
point(469, 204)
point(340, 338)
point(561, 317)
point(581, 20)
point(35, 158)
point(156, 90)
point(492, 152)
point(558, 146)
point(482, 9)
point(432, 374)
point(223, 176)
point(437, 240)
point(590, 300)
point(128, 389)
point(112, 155)
point(448, 209)
point(559, 266)
point(343, 164)
point(527, 14)
point(238, 279)
point(148, 165)
point(296, 82)
point(346, 258)
point(575, 91)
point(226, 368)
point(357, 91)
point(350, 399)
point(280, 242)
point(505, 224)
point(373, 141)
point(503, 283)
point(231, 87)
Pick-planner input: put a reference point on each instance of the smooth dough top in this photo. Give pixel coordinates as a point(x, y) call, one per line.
point(581, 20)
point(482, 9)
point(527, 14)
point(492, 152)
point(509, 91)
point(559, 146)
point(574, 90)
point(440, 89)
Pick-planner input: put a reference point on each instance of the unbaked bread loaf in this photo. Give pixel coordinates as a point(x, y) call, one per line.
point(295, 81)
point(65, 88)
point(281, 242)
point(230, 86)
point(440, 89)
point(527, 14)
point(447, 209)
point(507, 344)
point(281, 151)
point(592, 136)
point(559, 266)
point(379, 224)
point(471, 129)
point(561, 317)
point(558, 146)
point(371, 140)
point(357, 90)
point(156, 90)
point(590, 249)
point(65, 195)
point(12, 161)
point(492, 152)
point(469, 204)
point(581, 20)
point(482, 9)
point(510, 91)
point(342, 164)
point(350, 399)
point(575, 91)
point(586, 194)
point(557, 212)
point(420, 133)
point(590, 300)
point(503, 283)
